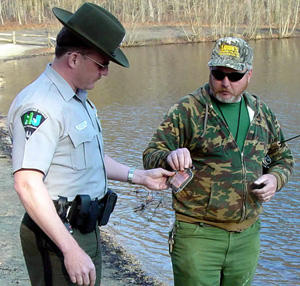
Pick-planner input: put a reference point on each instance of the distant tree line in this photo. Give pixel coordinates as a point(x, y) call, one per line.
point(221, 17)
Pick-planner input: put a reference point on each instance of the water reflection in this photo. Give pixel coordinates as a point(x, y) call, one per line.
point(132, 102)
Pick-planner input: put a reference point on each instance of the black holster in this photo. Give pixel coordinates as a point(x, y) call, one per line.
point(107, 205)
point(84, 213)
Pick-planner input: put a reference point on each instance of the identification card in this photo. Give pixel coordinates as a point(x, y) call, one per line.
point(179, 181)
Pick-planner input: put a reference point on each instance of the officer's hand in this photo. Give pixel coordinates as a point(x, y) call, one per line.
point(80, 267)
point(180, 159)
point(154, 179)
point(268, 190)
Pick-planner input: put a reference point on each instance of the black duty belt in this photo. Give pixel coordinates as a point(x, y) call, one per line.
point(84, 213)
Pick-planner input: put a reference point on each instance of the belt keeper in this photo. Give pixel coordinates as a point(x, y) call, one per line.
point(130, 175)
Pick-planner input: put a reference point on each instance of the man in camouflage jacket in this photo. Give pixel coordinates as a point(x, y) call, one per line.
point(226, 134)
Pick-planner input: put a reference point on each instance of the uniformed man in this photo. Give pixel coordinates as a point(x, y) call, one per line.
point(225, 133)
point(58, 152)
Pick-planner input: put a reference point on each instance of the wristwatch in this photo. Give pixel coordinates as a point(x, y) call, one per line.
point(130, 175)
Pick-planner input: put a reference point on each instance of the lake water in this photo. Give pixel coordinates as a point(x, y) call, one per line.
point(131, 104)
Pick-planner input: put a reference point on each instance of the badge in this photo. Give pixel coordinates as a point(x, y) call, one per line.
point(31, 121)
point(82, 125)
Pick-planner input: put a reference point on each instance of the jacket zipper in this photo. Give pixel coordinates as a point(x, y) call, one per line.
point(244, 187)
point(245, 192)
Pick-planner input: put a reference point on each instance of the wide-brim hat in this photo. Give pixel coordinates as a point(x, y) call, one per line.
point(98, 27)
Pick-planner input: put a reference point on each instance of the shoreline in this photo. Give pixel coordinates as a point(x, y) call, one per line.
point(5, 143)
point(119, 268)
point(135, 37)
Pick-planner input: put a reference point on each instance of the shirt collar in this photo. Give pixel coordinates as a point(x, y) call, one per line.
point(62, 85)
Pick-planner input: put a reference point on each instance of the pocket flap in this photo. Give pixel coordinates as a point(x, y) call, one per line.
point(80, 136)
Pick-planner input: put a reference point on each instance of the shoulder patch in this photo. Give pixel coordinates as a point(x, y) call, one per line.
point(31, 121)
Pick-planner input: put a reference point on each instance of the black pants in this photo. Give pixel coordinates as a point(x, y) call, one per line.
point(45, 262)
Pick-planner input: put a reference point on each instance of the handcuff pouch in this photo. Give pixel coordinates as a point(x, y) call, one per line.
point(84, 213)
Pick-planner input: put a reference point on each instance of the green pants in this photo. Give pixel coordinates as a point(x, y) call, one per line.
point(45, 262)
point(203, 255)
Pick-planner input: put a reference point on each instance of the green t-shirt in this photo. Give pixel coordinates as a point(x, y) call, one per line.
point(236, 117)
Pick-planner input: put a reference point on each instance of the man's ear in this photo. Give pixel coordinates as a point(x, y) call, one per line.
point(73, 59)
point(249, 75)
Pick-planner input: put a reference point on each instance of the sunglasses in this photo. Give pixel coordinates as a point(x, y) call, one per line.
point(97, 63)
point(232, 76)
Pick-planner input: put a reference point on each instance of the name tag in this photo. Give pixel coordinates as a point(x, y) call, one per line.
point(82, 125)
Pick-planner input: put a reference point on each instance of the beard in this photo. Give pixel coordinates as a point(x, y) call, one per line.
point(231, 99)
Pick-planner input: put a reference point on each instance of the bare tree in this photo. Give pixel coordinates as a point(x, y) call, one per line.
point(250, 18)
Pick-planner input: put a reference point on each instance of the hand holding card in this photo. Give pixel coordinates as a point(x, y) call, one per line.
point(179, 181)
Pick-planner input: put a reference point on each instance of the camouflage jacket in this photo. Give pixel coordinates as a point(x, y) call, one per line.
point(220, 189)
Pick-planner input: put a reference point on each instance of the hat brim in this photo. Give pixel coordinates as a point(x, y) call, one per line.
point(227, 64)
point(118, 56)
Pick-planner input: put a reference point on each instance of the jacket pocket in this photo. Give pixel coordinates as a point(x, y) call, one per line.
point(225, 203)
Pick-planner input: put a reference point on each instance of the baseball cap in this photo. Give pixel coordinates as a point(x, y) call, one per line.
point(231, 52)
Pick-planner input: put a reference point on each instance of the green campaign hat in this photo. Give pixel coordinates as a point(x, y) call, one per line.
point(98, 27)
point(231, 52)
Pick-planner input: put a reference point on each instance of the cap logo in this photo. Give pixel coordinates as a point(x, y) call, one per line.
point(229, 50)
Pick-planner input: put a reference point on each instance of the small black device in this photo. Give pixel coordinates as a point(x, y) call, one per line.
point(257, 186)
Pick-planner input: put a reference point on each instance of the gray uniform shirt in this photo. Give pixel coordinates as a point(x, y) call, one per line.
point(58, 132)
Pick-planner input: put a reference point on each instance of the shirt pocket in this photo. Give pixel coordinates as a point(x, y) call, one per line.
point(80, 139)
